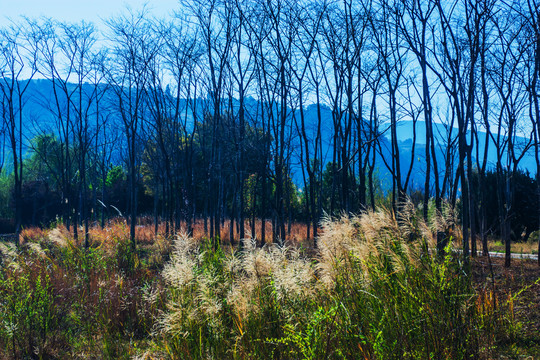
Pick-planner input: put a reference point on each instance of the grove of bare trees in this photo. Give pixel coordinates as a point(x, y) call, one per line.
point(278, 111)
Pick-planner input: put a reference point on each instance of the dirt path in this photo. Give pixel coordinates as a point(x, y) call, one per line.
point(514, 255)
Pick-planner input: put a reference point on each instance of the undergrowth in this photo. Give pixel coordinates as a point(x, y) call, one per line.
point(374, 289)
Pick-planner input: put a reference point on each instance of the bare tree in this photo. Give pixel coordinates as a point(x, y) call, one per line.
point(273, 48)
point(134, 48)
point(533, 21)
point(181, 54)
point(214, 21)
point(76, 43)
point(483, 16)
point(18, 65)
point(309, 20)
point(416, 30)
point(453, 71)
point(242, 72)
point(55, 67)
point(507, 59)
point(384, 24)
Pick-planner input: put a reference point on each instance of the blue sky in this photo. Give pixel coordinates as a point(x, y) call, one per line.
point(77, 10)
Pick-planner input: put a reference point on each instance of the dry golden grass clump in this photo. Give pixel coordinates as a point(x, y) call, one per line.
point(206, 281)
point(445, 221)
point(374, 284)
point(372, 237)
point(8, 255)
point(33, 234)
point(291, 275)
point(58, 237)
point(179, 271)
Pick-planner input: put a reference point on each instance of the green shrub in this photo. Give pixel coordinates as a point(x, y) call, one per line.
point(28, 317)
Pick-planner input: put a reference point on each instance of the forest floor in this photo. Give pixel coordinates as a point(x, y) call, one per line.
point(519, 284)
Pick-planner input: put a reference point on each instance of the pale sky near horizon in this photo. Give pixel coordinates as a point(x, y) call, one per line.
point(77, 10)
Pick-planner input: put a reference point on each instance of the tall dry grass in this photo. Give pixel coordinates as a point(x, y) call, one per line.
point(374, 290)
point(296, 234)
point(59, 300)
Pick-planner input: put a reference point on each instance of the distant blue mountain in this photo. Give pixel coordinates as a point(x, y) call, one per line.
point(527, 163)
point(40, 107)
